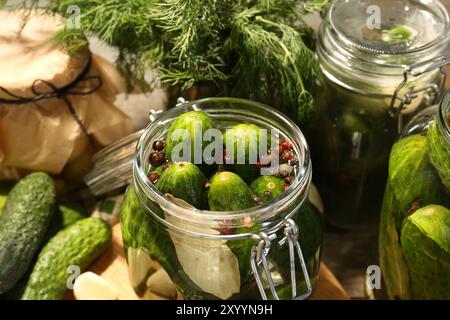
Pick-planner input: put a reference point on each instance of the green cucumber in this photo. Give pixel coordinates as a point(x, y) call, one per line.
point(244, 139)
point(77, 245)
point(413, 179)
point(267, 188)
point(425, 240)
point(184, 180)
point(65, 215)
point(228, 192)
point(195, 123)
point(23, 225)
point(439, 152)
point(142, 233)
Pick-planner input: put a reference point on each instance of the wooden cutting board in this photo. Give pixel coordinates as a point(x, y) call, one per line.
point(113, 267)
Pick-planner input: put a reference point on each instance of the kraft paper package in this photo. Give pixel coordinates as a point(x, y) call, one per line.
point(43, 134)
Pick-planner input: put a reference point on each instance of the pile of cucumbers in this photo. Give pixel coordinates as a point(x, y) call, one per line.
point(229, 186)
point(41, 242)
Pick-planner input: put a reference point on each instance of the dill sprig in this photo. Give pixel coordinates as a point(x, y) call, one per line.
point(260, 49)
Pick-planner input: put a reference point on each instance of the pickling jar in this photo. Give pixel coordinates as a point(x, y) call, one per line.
point(175, 251)
point(414, 236)
point(381, 62)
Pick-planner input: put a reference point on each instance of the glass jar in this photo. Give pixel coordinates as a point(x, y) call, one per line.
point(166, 239)
point(375, 81)
point(414, 238)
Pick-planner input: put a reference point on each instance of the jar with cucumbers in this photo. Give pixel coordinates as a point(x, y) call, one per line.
point(414, 238)
point(221, 205)
point(381, 61)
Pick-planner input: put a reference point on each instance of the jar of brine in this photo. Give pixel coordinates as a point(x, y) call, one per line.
point(382, 63)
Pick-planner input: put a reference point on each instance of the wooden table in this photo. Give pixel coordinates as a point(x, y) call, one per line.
point(113, 267)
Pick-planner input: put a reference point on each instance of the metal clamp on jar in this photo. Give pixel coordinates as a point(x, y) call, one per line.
point(382, 62)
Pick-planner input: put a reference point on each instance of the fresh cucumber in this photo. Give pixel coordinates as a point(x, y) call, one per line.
point(23, 225)
point(65, 215)
point(228, 192)
point(184, 180)
point(77, 245)
point(267, 188)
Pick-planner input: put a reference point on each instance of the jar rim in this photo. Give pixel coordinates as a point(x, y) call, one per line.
point(436, 5)
point(350, 64)
point(299, 187)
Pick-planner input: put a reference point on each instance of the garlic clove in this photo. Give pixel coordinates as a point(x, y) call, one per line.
point(89, 286)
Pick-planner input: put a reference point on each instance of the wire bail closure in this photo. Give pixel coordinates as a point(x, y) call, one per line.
point(259, 256)
point(415, 71)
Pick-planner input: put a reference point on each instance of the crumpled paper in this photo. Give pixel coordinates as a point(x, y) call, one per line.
point(44, 136)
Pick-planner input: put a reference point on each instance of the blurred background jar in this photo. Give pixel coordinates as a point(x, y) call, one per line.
point(382, 64)
point(414, 238)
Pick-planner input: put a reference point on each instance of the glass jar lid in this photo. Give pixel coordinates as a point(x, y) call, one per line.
point(390, 27)
point(367, 45)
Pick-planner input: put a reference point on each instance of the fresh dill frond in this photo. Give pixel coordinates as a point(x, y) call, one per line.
point(259, 49)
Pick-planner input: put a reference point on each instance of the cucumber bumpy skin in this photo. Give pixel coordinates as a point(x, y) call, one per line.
point(268, 188)
point(242, 135)
point(439, 152)
point(190, 121)
point(184, 180)
point(425, 241)
point(23, 225)
point(76, 245)
point(228, 192)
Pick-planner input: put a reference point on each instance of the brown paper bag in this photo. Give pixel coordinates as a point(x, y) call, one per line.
point(44, 136)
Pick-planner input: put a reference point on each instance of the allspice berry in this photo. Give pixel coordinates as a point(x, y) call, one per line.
point(286, 145)
point(287, 155)
point(158, 145)
point(157, 158)
point(226, 227)
point(153, 177)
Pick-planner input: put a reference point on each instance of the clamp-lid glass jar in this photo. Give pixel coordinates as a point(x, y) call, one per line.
point(272, 250)
point(414, 239)
point(381, 61)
